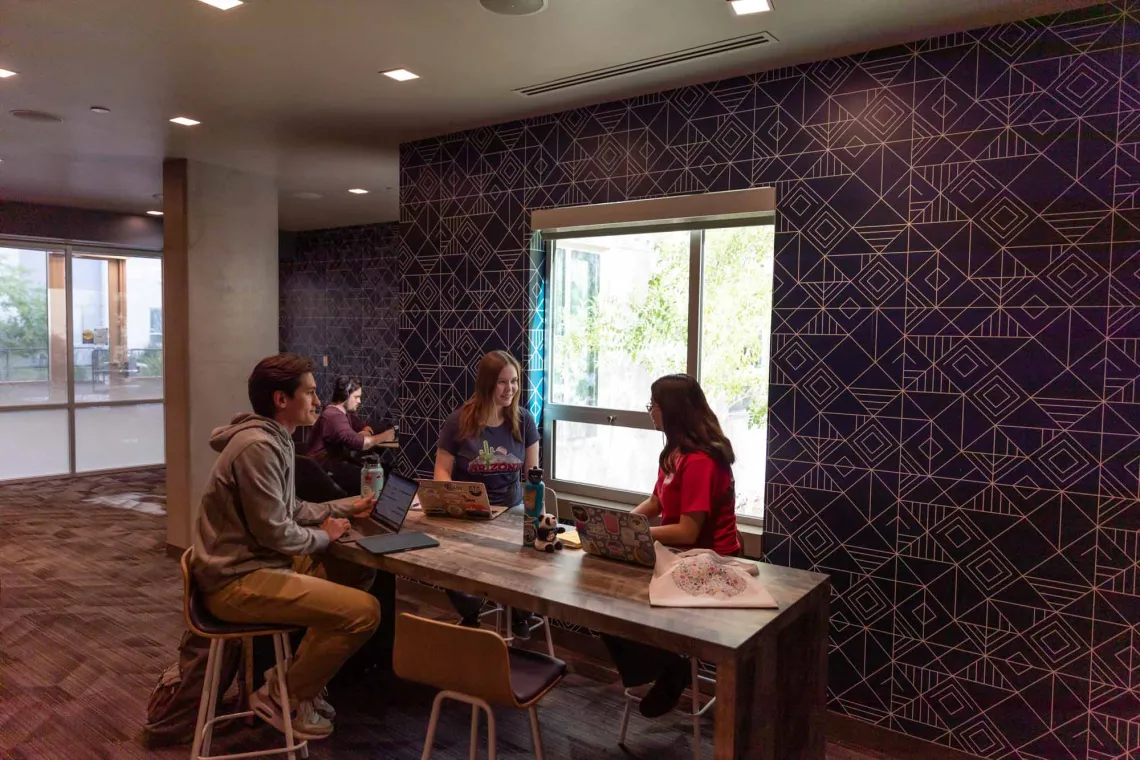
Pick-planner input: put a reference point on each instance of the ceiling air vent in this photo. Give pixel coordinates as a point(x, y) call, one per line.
point(647, 64)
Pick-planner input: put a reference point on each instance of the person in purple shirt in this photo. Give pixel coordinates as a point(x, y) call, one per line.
point(339, 434)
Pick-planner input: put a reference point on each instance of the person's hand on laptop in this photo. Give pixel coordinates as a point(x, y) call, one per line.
point(362, 507)
point(335, 527)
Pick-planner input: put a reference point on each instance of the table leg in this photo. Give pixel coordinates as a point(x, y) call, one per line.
point(772, 702)
point(385, 590)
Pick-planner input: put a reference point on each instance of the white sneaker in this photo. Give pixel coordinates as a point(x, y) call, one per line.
point(320, 702)
point(308, 724)
point(323, 707)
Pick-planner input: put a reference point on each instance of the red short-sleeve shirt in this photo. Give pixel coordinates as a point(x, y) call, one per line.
point(699, 484)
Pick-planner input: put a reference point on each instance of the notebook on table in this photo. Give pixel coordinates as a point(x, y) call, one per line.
point(447, 498)
point(615, 534)
point(394, 543)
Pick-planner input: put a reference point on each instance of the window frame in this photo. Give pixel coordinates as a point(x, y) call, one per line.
point(554, 413)
point(70, 250)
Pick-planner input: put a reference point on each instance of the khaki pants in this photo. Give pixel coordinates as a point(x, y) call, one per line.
point(323, 594)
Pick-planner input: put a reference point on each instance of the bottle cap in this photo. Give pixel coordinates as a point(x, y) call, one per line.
point(535, 475)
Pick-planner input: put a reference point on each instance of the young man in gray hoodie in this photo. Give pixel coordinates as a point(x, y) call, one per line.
point(259, 552)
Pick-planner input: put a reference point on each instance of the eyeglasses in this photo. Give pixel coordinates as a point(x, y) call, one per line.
point(650, 406)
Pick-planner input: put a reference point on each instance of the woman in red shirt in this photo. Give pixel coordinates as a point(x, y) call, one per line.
point(695, 497)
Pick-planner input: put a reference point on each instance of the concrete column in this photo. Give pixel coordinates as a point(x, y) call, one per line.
point(221, 311)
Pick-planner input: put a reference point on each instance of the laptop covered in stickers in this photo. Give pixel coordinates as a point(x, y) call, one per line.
point(453, 498)
point(615, 534)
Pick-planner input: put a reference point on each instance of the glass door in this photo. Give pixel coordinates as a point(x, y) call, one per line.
point(81, 361)
point(34, 426)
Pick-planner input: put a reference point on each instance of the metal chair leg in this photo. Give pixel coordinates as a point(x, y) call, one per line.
point(279, 646)
point(432, 723)
point(625, 720)
point(213, 677)
point(203, 702)
point(549, 637)
point(474, 751)
point(535, 733)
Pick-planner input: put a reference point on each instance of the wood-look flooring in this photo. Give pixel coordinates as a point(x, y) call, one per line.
point(90, 614)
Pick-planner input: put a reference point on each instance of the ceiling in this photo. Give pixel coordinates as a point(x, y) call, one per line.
point(291, 89)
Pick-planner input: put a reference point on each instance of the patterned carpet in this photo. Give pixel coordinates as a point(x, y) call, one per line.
point(90, 614)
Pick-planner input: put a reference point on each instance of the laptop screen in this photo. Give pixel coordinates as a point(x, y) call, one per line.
point(394, 501)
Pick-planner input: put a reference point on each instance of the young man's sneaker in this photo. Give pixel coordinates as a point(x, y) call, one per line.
point(320, 702)
point(308, 724)
point(323, 707)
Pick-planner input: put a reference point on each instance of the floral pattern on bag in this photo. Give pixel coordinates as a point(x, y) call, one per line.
point(704, 576)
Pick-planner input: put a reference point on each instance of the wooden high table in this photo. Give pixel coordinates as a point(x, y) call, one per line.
point(771, 665)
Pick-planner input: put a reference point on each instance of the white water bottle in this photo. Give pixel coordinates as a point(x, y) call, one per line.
point(371, 478)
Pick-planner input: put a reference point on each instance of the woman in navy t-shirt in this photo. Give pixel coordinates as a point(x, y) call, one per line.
point(490, 440)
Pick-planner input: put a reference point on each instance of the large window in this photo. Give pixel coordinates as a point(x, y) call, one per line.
point(80, 360)
point(625, 309)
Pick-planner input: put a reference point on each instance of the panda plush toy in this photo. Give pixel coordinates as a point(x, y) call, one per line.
point(548, 530)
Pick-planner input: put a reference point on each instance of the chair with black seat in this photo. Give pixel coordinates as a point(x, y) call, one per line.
point(312, 483)
point(485, 672)
point(202, 623)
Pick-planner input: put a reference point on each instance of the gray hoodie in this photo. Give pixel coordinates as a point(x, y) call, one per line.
point(250, 517)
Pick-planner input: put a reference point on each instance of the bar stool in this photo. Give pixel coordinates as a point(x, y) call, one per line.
point(503, 615)
point(695, 713)
point(202, 623)
point(487, 672)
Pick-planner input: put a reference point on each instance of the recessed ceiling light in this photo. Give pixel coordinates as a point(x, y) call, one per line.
point(185, 121)
point(100, 109)
point(358, 191)
point(400, 75)
point(225, 5)
point(307, 196)
point(157, 196)
point(154, 213)
point(744, 7)
point(514, 7)
point(5, 73)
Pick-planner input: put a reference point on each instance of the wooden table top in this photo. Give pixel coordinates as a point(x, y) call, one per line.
point(488, 559)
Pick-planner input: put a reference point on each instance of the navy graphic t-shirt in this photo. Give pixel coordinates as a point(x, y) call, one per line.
point(493, 457)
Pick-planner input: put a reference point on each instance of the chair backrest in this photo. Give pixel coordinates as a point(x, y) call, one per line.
point(312, 483)
point(467, 660)
point(187, 588)
point(551, 505)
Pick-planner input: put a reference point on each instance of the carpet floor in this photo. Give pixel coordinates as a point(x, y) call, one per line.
point(90, 615)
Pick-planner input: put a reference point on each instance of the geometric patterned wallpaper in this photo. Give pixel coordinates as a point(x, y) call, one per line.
point(955, 398)
point(339, 298)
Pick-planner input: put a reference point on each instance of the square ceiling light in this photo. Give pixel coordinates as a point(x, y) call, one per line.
point(400, 75)
point(224, 5)
point(745, 7)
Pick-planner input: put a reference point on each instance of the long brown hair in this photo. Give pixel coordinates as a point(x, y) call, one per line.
point(479, 406)
point(688, 422)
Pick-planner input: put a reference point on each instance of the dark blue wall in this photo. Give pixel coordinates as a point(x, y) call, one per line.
point(955, 421)
point(340, 299)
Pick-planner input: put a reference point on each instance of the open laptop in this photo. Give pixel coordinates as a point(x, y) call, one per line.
point(615, 534)
point(447, 498)
point(388, 511)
